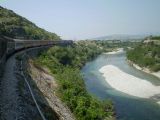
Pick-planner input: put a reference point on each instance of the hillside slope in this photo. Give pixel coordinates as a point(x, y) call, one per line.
point(15, 26)
point(147, 54)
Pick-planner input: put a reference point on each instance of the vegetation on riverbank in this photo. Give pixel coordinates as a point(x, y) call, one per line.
point(146, 55)
point(65, 64)
point(15, 26)
point(155, 37)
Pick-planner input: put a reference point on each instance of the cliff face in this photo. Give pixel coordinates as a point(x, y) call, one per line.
point(43, 86)
point(13, 25)
point(48, 86)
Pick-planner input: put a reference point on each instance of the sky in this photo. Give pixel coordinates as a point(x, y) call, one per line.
point(84, 19)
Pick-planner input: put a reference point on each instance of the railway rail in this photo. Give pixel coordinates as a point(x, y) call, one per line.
point(9, 46)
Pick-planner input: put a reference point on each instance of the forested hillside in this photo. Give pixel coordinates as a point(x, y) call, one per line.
point(65, 64)
point(147, 54)
point(15, 26)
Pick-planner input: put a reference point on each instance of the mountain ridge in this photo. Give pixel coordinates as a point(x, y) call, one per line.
point(16, 26)
point(123, 37)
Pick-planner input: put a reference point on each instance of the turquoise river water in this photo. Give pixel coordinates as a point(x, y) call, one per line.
point(127, 107)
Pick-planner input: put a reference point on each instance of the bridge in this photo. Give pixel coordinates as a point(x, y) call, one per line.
point(9, 100)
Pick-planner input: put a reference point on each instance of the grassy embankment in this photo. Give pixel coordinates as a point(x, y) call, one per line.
point(65, 63)
point(146, 54)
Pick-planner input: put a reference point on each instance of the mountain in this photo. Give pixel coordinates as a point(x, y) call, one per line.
point(122, 37)
point(15, 26)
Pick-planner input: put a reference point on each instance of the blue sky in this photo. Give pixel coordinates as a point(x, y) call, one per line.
point(82, 19)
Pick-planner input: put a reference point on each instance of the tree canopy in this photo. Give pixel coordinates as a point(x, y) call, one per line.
point(146, 55)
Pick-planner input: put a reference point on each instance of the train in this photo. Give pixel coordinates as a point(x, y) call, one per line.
point(8, 46)
point(16, 44)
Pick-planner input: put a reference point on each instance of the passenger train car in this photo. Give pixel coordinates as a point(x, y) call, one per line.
point(16, 44)
point(9, 46)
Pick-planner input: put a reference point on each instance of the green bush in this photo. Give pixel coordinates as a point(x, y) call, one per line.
point(155, 68)
point(65, 64)
point(146, 55)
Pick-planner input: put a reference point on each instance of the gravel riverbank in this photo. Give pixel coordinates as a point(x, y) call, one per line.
point(146, 70)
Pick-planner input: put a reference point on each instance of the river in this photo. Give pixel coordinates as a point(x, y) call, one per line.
point(127, 107)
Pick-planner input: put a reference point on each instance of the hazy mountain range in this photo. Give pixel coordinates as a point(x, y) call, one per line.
point(122, 37)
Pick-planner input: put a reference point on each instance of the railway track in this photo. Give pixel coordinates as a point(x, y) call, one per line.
point(11, 103)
